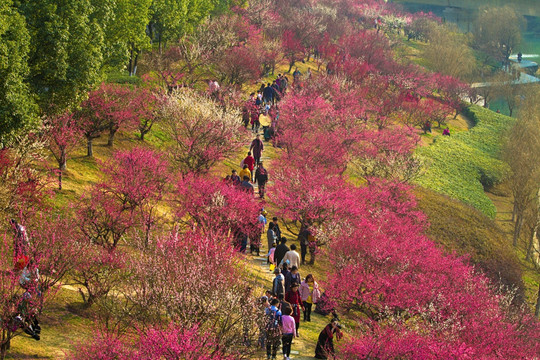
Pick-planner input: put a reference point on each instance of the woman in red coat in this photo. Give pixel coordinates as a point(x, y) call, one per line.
point(293, 298)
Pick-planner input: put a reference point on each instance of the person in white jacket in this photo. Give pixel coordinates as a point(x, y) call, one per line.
point(292, 256)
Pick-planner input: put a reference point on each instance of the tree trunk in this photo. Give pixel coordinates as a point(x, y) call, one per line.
point(60, 179)
point(63, 160)
point(112, 132)
point(134, 70)
point(530, 245)
point(90, 151)
point(537, 308)
point(291, 64)
point(130, 64)
point(517, 229)
point(6, 342)
point(514, 211)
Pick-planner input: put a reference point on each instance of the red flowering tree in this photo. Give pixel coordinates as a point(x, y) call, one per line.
point(211, 205)
point(172, 341)
point(409, 290)
point(25, 292)
point(98, 272)
point(135, 183)
point(452, 91)
point(386, 154)
point(144, 104)
point(63, 134)
point(293, 50)
point(202, 133)
point(18, 306)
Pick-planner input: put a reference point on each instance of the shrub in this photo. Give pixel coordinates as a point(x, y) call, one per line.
point(462, 165)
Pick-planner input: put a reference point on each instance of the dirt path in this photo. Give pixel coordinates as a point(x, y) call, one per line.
point(303, 348)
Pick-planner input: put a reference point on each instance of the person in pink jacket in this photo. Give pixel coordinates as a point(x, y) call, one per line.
point(288, 330)
point(310, 294)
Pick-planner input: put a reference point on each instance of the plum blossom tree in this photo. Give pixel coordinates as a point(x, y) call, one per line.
point(172, 342)
point(202, 133)
point(63, 134)
point(386, 154)
point(211, 205)
point(135, 182)
point(207, 291)
point(386, 269)
point(293, 49)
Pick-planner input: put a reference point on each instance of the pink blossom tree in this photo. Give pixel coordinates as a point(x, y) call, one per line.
point(293, 50)
point(208, 288)
point(172, 341)
point(64, 134)
point(212, 205)
point(385, 268)
point(135, 182)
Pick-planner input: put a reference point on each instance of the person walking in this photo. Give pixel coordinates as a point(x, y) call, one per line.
point(325, 343)
point(270, 256)
point(303, 238)
point(246, 185)
point(261, 178)
point(273, 329)
point(257, 148)
point(292, 256)
point(277, 230)
point(310, 294)
point(271, 235)
point(245, 172)
point(281, 250)
point(250, 162)
point(278, 284)
point(268, 94)
point(292, 277)
point(265, 121)
point(293, 298)
point(288, 326)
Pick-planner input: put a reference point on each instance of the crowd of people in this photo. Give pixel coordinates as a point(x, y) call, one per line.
point(290, 297)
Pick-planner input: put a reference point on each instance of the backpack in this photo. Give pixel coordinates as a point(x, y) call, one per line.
point(273, 325)
point(279, 286)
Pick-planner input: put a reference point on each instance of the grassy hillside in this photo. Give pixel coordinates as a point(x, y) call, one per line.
point(463, 230)
point(464, 164)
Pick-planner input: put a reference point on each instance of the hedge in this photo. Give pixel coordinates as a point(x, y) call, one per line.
point(464, 164)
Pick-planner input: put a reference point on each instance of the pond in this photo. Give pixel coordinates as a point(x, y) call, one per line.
point(463, 14)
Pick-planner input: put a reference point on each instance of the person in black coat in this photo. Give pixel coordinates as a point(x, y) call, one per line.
point(277, 230)
point(261, 178)
point(280, 251)
point(325, 343)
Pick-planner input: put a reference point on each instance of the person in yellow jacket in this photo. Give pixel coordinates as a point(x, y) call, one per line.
point(265, 121)
point(245, 172)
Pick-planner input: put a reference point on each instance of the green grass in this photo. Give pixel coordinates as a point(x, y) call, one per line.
point(463, 230)
point(464, 164)
point(61, 328)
